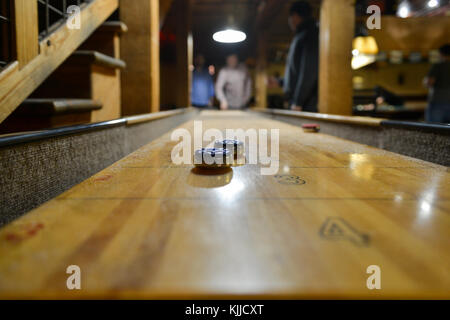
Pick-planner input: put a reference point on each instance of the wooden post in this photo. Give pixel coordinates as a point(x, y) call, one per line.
point(140, 50)
point(184, 45)
point(261, 71)
point(337, 20)
point(27, 32)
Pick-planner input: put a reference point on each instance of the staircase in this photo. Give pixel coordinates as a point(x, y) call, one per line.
point(85, 88)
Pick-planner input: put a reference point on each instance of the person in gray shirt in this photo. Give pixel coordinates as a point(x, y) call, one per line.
point(233, 85)
point(302, 65)
point(438, 82)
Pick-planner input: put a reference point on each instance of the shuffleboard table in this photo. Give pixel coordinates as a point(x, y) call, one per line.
point(147, 228)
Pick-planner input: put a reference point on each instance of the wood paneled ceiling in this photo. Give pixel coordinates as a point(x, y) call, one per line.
point(209, 16)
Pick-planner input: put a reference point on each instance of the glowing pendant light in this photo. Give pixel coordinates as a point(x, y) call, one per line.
point(365, 45)
point(365, 49)
point(230, 34)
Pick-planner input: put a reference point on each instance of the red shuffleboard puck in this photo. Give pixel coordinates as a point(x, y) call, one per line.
point(311, 127)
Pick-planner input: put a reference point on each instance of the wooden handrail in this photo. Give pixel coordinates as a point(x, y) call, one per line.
point(30, 136)
point(367, 121)
point(154, 116)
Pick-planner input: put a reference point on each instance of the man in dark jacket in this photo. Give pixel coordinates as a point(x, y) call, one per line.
point(302, 67)
point(438, 81)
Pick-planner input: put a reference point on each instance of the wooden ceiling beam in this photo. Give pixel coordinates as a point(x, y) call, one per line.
point(267, 11)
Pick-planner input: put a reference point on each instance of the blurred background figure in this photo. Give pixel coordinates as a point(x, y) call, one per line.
point(202, 95)
point(302, 65)
point(234, 84)
point(386, 97)
point(438, 82)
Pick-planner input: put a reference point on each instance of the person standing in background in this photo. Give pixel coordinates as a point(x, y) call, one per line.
point(302, 66)
point(202, 95)
point(438, 82)
point(234, 85)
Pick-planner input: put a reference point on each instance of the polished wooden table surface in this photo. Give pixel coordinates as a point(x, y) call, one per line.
point(146, 228)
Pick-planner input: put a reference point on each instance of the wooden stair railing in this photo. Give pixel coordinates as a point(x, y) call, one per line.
point(35, 59)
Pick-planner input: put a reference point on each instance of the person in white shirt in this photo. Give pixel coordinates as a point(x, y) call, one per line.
point(234, 85)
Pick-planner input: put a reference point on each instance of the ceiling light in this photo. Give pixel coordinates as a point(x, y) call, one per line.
point(229, 36)
point(433, 3)
point(362, 60)
point(365, 45)
point(403, 10)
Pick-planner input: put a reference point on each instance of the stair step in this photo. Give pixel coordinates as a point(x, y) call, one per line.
point(74, 78)
point(49, 107)
point(106, 39)
point(113, 27)
point(86, 75)
point(38, 114)
point(96, 58)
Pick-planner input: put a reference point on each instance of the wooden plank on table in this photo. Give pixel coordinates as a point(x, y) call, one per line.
point(17, 84)
point(26, 23)
point(146, 228)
